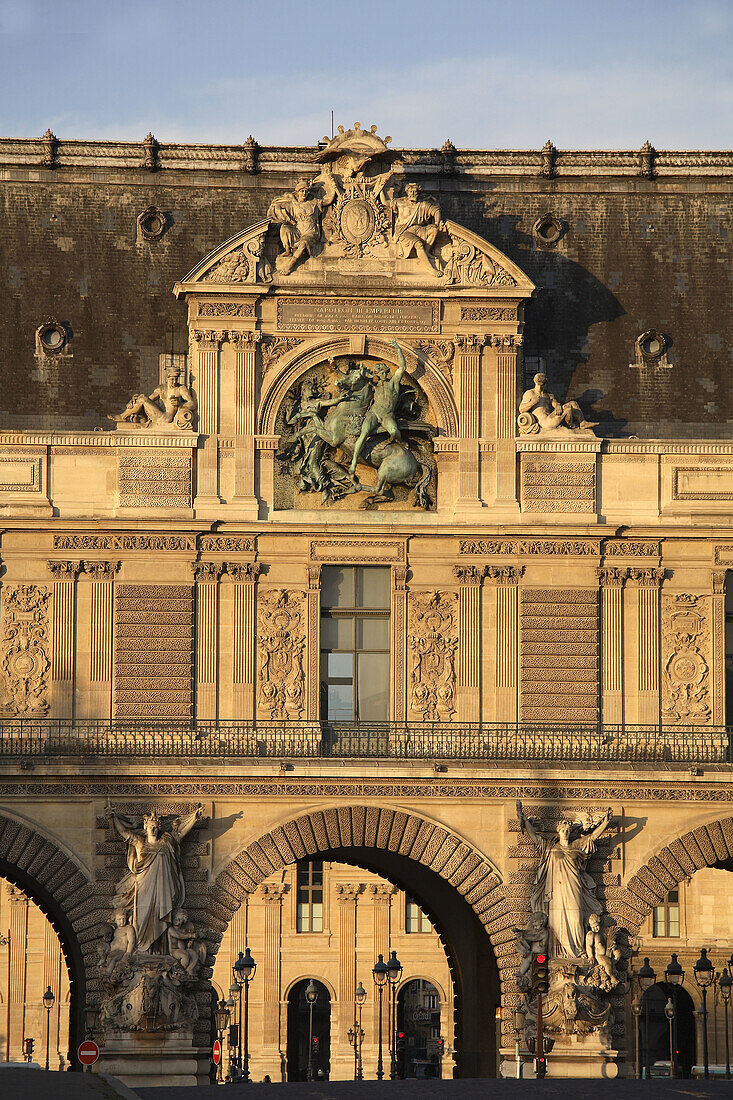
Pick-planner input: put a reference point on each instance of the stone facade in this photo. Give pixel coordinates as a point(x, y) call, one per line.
point(348, 580)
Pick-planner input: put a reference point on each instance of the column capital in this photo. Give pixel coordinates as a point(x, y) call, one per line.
point(506, 342)
point(382, 892)
point(468, 574)
point(348, 892)
point(63, 570)
point(244, 341)
point(244, 572)
point(101, 570)
point(207, 570)
point(469, 343)
point(209, 338)
point(273, 892)
point(647, 577)
point(611, 576)
point(504, 574)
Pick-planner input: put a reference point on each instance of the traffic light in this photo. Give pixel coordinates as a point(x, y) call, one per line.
point(440, 1047)
point(400, 1053)
point(315, 1043)
point(540, 1066)
point(29, 1049)
point(540, 975)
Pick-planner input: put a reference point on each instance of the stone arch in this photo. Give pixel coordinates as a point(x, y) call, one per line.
point(58, 884)
point(305, 976)
point(709, 845)
point(456, 884)
point(295, 364)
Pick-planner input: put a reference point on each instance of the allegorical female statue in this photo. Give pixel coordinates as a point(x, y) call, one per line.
point(562, 888)
point(153, 889)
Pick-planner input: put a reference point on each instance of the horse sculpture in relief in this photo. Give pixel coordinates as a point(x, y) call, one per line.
point(372, 420)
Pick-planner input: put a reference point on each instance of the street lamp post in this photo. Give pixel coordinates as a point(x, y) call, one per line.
point(244, 971)
point(360, 996)
point(675, 976)
point(646, 978)
point(636, 1010)
point(669, 1013)
point(379, 973)
point(48, 1003)
point(311, 996)
point(221, 1019)
point(394, 973)
point(704, 972)
point(725, 982)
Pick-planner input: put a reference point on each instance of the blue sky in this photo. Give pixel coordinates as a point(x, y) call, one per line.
point(486, 74)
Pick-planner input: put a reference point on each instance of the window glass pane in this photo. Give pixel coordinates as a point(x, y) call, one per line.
point(425, 925)
point(339, 703)
point(302, 917)
point(373, 687)
point(337, 587)
point(411, 916)
point(372, 633)
point(340, 666)
point(375, 586)
point(673, 896)
point(337, 633)
point(659, 921)
point(674, 921)
point(317, 916)
point(317, 872)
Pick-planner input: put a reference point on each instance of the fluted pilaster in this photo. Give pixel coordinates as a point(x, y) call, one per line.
point(469, 642)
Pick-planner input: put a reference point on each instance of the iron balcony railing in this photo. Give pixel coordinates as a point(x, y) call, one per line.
point(439, 741)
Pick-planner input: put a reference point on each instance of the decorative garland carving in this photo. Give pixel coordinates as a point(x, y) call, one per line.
point(25, 646)
point(127, 542)
point(630, 548)
point(686, 675)
point(281, 639)
point(580, 547)
point(434, 641)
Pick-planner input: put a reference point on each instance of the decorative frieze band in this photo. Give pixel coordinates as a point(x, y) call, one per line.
point(567, 547)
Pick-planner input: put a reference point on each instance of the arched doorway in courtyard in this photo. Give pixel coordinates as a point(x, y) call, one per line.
point(455, 886)
point(43, 875)
point(419, 1022)
point(309, 1031)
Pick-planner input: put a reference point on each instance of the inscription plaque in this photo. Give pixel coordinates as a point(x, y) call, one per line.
point(361, 314)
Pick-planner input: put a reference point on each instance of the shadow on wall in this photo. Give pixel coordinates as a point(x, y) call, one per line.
point(561, 321)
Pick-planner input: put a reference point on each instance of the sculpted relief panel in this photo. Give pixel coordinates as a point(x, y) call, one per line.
point(281, 639)
point(433, 639)
point(685, 659)
point(25, 649)
point(354, 433)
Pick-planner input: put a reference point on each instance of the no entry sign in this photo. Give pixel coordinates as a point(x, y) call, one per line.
point(88, 1052)
point(216, 1052)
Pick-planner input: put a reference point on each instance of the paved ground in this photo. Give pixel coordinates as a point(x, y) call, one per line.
point(458, 1090)
point(36, 1084)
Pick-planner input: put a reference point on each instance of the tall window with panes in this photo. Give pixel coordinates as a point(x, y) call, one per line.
point(415, 919)
point(355, 632)
point(310, 896)
point(666, 917)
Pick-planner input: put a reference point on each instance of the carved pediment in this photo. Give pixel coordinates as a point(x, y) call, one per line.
point(359, 216)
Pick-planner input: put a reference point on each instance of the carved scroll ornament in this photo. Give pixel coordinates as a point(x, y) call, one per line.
point(434, 642)
point(281, 646)
point(25, 641)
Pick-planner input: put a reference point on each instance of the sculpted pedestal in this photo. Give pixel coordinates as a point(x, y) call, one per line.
point(147, 1059)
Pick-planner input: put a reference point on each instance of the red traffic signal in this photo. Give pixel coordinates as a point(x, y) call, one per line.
point(540, 975)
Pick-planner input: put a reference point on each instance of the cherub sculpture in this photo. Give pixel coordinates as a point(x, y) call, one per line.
point(531, 940)
point(184, 947)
